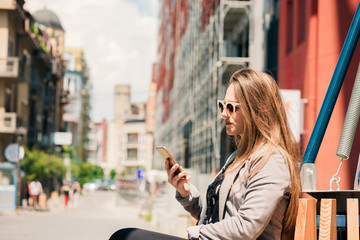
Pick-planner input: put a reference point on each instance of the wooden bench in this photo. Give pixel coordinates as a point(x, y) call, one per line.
point(306, 227)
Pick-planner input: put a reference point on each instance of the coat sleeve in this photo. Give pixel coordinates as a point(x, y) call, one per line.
point(263, 193)
point(192, 203)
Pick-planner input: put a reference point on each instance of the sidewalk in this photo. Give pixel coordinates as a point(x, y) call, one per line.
point(97, 217)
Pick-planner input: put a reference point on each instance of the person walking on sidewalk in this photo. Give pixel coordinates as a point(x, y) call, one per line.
point(66, 190)
point(76, 194)
point(255, 194)
point(35, 189)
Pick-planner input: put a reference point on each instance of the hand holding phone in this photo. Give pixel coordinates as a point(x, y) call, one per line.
point(179, 178)
point(166, 155)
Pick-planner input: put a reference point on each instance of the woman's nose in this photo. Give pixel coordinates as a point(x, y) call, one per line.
point(225, 114)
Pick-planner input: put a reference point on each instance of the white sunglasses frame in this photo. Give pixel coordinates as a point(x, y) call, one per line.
point(225, 104)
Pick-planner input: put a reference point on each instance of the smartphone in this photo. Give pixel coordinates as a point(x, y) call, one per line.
point(165, 155)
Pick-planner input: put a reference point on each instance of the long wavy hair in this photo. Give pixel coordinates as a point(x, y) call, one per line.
point(265, 129)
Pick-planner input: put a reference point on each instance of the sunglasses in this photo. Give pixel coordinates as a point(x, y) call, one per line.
point(230, 106)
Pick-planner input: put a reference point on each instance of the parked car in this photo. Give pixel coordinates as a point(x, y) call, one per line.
point(108, 184)
point(93, 185)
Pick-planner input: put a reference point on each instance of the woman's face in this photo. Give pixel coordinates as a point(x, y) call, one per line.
point(234, 121)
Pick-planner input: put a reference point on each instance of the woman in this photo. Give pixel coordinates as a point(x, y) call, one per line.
point(255, 194)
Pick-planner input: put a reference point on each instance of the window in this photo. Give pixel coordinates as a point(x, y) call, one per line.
point(10, 46)
point(301, 27)
point(132, 137)
point(132, 153)
point(8, 99)
point(290, 20)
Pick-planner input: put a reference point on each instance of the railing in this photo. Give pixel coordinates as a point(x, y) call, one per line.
point(7, 122)
point(9, 67)
point(57, 66)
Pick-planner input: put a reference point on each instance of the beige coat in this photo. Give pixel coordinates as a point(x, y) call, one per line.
point(253, 209)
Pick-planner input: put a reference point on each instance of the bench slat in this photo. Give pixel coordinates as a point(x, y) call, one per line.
point(305, 228)
point(327, 228)
point(352, 207)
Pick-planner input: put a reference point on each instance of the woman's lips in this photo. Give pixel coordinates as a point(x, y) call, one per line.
point(227, 123)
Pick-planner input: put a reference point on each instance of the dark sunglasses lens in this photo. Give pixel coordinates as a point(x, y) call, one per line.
point(230, 107)
point(221, 107)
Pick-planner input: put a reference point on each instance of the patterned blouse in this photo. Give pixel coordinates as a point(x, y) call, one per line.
point(212, 198)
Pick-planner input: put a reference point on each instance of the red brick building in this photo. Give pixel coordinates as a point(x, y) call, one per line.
point(311, 36)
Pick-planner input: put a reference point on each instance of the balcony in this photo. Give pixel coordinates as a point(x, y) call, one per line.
point(8, 4)
point(230, 64)
point(7, 122)
point(9, 67)
point(233, 10)
point(57, 67)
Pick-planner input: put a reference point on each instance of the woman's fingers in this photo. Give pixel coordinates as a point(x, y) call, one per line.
point(167, 164)
point(176, 180)
point(179, 181)
point(171, 171)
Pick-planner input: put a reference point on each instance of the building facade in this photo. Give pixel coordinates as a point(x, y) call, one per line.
point(76, 91)
point(45, 91)
point(92, 147)
point(102, 158)
point(30, 76)
point(130, 141)
point(201, 43)
point(133, 148)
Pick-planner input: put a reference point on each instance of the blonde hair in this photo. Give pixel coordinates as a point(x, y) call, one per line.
point(265, 126)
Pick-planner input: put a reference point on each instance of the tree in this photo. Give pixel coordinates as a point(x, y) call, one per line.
point(42, 166)
point(88, 171)
point(112, 174)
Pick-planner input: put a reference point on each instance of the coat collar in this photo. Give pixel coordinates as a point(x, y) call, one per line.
point(226, 184)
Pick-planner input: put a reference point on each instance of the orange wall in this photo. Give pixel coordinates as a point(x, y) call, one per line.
point(309, 67)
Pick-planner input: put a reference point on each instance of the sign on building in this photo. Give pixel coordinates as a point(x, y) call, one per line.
point(62, 138)
point(294, 110)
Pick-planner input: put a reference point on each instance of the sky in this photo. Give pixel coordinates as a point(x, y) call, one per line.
point(118, 38)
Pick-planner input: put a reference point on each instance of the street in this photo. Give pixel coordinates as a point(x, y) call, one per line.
point(96, 217)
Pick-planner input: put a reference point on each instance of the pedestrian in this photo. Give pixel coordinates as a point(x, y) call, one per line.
point(27, 193)
point(75, 196)
point(35, 189)
point(255, 194)
point(66, 190)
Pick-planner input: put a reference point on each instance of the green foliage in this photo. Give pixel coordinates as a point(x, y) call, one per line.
point(112, 174)
point(97, 172)
point(148, 217)
point(41, 165)
point(87, 171)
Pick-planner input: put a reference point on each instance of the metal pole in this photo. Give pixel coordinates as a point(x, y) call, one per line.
point(18, 189)
point(333, 90)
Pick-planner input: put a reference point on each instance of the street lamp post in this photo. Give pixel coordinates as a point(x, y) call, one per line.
point(18, 192)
